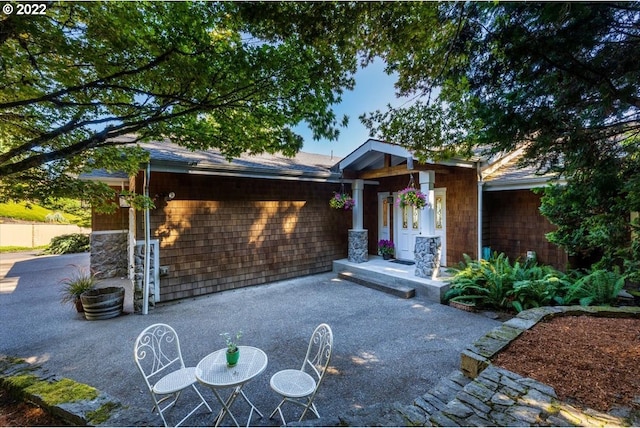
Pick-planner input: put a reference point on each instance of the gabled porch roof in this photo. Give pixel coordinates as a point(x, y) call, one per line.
point(375, 155)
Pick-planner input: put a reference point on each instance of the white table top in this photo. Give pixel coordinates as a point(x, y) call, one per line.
point(213, 371)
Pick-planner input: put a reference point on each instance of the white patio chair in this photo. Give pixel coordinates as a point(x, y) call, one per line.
point(300, 386)
point(158, 356)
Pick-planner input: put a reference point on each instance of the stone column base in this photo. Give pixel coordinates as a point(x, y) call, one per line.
point(358, 246)
point(427, 254)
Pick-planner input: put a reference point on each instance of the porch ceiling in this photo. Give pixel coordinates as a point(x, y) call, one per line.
point(371, 155)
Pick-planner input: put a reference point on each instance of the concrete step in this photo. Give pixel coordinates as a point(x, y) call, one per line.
point(401, 291)
point(386, 272)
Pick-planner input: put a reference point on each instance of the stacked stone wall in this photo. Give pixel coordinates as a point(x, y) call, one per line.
point(427, 256)
point(138, 276)
point(109, 254)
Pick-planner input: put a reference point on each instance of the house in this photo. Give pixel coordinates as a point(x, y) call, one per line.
point(219, 225)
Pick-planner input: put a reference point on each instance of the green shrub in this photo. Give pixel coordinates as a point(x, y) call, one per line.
point(538, 291)
point(497, 284)
point(72, 243)
point(487, 283)
point(598, 287)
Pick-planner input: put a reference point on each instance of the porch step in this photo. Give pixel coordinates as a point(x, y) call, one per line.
point(387, 287)
point(385, 272)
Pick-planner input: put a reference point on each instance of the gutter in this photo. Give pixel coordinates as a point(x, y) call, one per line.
point(147, 242)
point(480, 203)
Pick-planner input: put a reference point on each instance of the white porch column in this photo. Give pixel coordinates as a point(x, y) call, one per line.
point(358, 239)
point(427, 222)
point(358, 210)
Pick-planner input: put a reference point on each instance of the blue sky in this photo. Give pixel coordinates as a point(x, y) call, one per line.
point(373, 91)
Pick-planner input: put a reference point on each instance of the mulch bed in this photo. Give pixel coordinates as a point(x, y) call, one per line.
point(589, 361)
point(17, 413)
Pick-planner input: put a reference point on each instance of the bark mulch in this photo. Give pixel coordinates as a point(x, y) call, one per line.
point(589, 361)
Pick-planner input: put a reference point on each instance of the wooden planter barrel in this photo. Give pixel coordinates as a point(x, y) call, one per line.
point(103, 303)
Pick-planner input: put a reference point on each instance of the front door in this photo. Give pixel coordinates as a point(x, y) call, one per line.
point(407, 227)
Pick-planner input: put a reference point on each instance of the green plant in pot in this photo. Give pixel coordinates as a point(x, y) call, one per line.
point(73, 286)
point(233, 352)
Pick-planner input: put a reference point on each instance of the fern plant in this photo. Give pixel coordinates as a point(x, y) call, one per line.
point(536, 292)
point(599, 287)
point(488, 283)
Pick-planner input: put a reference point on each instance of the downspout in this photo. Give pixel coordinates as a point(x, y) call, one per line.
point(147, 240)
point(480, 187)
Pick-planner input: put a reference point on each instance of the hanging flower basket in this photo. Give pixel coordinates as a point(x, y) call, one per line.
point(411, 197)
point(342, 201)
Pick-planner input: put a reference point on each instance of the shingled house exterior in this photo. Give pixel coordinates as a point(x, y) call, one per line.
point(222, 225)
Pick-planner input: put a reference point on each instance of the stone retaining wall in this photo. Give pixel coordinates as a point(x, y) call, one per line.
point(495, 396)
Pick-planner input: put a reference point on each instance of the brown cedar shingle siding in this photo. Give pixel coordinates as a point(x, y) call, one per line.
point(462, 207)
point(516, 226)
point(221, 233)
point(119, 220)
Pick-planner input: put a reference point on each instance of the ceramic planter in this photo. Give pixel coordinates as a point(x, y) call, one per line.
point(232, 357)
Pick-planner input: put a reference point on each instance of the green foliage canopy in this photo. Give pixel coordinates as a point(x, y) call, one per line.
point(560, 79)
point(205, 74)
point(560, 76)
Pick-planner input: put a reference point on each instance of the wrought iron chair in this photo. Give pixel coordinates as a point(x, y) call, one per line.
point(300, 386)
point(158, 356)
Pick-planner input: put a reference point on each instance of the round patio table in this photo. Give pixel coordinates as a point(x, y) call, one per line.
point(213, 371)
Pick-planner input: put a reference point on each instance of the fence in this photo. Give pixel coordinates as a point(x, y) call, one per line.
point(35, 235)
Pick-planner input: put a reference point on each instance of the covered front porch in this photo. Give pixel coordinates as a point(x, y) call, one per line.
point(394, 274)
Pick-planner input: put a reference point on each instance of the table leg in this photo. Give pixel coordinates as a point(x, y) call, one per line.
point(225, 407)
point(252, 407)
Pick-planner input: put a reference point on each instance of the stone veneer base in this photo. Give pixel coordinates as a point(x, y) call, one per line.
point(427, 256)
point(358, 246)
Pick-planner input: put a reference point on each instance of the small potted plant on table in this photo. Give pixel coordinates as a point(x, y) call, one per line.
point(233, 352)
point(386, 248)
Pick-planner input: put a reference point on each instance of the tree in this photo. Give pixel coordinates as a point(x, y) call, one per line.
point(82, 76)
point(495, 75)
point(560, 79)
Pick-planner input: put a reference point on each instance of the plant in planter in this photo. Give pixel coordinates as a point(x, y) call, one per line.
point(233, 352)
point(386, 248)
point(411, 197)
point(80, 281)
point(342, 201)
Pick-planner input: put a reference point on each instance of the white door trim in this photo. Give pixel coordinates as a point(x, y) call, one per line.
point(440, 220)
point(384, 216)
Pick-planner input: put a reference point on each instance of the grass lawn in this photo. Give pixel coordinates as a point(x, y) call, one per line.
point(31, 212)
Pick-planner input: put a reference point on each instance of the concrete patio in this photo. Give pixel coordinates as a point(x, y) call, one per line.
point(387, 349)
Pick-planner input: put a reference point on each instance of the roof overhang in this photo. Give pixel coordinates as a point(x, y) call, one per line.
point(234, 170)
point(114, 179)
point(372, 154)
point(522, 183)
